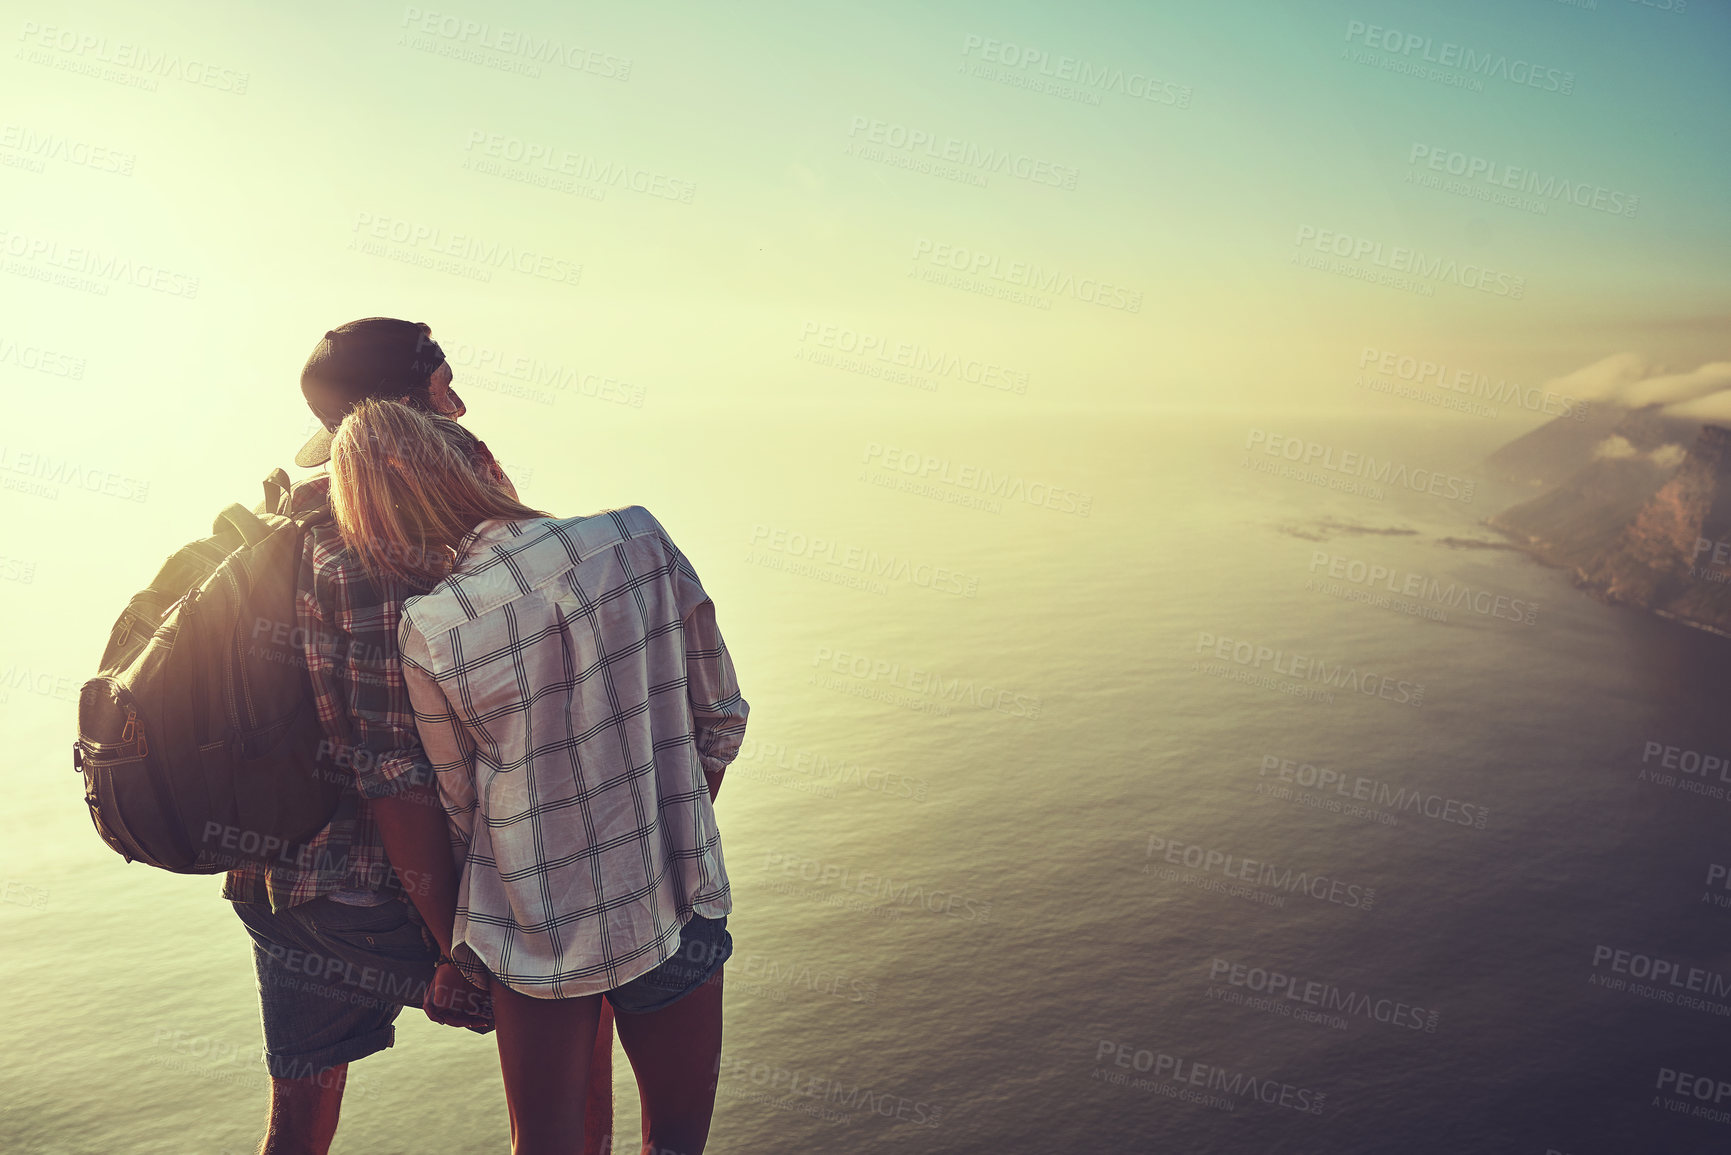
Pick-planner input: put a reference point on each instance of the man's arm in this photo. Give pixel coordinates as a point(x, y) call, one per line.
point(352, 623)
point(417, 839)
point(351, 630)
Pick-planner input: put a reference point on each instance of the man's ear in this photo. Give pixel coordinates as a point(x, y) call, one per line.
point(489, 466)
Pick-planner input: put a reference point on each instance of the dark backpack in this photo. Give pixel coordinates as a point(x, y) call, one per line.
point(199, 742)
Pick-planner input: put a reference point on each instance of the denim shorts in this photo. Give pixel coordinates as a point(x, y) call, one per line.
point(704, 945)
point(332, 979)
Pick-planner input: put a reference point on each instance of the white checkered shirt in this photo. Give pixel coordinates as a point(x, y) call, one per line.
point(571, 687)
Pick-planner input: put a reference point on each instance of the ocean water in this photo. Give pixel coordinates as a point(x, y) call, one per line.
point(1016, 868)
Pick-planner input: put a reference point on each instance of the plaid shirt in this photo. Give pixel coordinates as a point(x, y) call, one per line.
point(347, 629)
point(572, 688)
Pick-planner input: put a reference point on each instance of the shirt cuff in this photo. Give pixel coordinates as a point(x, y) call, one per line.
point(391, 773)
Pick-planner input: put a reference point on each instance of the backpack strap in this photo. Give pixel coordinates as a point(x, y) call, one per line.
point(276, 492)
point(278, 501)
point(243, 521)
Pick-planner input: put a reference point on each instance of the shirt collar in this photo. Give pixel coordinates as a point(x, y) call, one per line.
point(484, 534)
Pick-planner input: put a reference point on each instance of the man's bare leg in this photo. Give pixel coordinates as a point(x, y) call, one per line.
point(303, 1113)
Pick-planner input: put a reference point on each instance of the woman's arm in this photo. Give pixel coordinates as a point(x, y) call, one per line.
point(418, 834)
point(718, 711)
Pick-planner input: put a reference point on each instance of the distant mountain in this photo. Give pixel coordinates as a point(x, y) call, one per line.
point(1675, 557)
point(1600, 483)
point(1641, 523)
point(1556, 449)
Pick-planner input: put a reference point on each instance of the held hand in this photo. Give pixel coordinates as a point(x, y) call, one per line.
point(453, 1001)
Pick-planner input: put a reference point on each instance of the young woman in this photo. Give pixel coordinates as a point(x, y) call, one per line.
point(578, 707)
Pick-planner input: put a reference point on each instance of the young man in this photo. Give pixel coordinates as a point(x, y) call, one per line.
point(337, 944)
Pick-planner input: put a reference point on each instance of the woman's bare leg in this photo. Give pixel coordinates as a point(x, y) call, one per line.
point(676, 1056)
point(545, 1047)
point(598, 1117)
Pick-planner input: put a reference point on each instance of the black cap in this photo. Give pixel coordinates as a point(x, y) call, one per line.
point(375, 358)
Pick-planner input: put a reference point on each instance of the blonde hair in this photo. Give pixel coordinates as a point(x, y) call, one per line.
point(407, 486)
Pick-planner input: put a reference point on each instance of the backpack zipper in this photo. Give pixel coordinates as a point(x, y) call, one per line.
point(134, 742)
point(131, 733)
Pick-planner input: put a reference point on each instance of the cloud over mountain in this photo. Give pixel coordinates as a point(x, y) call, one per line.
point(1631, 380)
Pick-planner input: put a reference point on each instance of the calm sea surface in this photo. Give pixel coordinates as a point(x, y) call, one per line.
point(1021, 872)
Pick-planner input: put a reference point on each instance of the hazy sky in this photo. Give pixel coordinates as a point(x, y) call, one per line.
point(683, 210)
